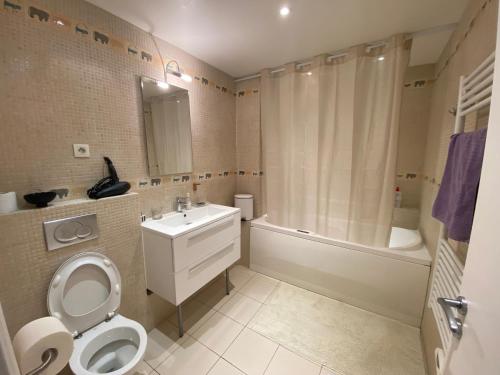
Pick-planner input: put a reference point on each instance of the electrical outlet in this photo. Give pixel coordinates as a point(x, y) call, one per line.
point(81, 150)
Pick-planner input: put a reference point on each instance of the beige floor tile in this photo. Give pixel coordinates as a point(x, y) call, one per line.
point(214, 294)
point(345, 338)
point(218, 332)
point(192, 358)
point(251, 352)
point(259, 287)
point(162, 342)
point(240, 308)
point(194, 315)
point(143, 369)
point(239, 276)
point(285, 362)
point(222, 367)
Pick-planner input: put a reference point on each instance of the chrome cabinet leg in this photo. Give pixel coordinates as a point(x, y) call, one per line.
point(227, 281)
point(180, 321)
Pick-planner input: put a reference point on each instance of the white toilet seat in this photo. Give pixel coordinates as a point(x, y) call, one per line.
point(106, 333)
point(84, 295)
point(84, 291)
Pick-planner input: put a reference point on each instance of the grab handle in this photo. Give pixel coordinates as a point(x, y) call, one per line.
point(48, 357)
point(215, 227)
point(202, 262)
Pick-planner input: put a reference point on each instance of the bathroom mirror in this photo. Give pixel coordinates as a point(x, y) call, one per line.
point(167, 121)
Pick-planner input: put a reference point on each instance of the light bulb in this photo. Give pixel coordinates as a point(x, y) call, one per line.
point(162, 85)
point(380, 58)
point(284, 11)
point(186, 77)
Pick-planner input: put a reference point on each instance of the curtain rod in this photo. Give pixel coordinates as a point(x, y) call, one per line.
point(302, 64)
point(370, 46)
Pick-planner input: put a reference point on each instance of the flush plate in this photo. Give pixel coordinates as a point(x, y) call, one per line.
point(69, 231)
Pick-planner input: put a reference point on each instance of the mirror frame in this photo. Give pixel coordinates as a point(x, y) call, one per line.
point(143, 79)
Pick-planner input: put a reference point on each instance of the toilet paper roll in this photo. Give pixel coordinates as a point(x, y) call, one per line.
point(35, 338)
point(8, 202)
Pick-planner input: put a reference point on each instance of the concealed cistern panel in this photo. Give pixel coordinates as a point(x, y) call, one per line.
point(70, 231)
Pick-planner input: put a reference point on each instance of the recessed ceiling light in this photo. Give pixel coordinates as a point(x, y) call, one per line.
point(284, 11)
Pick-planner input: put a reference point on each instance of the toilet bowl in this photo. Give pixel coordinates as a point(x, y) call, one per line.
point(85, 295)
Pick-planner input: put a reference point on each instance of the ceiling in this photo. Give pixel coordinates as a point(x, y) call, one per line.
point(240, 37)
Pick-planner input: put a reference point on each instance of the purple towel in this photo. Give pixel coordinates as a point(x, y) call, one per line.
point(456, 199)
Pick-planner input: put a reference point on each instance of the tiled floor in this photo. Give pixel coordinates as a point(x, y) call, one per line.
point(267, 327)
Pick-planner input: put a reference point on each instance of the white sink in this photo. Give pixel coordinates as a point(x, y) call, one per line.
point(184, 251)
point(179, 223)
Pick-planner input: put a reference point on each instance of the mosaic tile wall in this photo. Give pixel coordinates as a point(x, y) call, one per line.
point(415, 105)
point(60, 85)
point(28, 267)
point(248, 154)
point(248, 143)
point(69, 73)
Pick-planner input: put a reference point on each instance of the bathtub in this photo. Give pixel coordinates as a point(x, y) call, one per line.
point(389, 281)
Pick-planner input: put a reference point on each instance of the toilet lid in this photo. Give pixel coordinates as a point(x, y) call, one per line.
point(83, 291)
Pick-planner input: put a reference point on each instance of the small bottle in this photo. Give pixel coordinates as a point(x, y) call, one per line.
point(398, 198)
point(188, 201)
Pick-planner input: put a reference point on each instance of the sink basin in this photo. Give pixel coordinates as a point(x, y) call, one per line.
point(179, 223)
point(185, 251)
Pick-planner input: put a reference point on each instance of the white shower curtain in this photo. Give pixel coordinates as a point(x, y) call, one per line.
point(329, 142)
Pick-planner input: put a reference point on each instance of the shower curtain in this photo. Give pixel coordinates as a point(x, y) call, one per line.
point(330, 134)
point(171, 125)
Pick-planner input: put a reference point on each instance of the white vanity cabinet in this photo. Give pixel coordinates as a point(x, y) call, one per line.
point(184, 251)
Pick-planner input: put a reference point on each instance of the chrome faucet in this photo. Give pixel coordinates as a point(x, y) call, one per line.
point(181, 204)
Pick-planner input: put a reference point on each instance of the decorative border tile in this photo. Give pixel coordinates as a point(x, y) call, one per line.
point(252, 173)
point(408, 176)
point(419, 83)
point(246, 93)
point(102, 38)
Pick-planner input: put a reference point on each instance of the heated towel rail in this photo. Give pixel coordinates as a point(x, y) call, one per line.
point(474, 94)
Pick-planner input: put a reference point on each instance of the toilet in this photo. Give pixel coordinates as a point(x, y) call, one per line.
point(84, 295)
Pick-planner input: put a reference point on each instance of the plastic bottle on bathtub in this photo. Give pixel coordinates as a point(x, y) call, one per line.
point(398, 198)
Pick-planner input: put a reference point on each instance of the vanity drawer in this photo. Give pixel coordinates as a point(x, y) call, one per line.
point(195, 246)
point(192, 278)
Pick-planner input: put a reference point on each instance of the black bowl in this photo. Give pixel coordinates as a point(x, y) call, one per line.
point(40, 199)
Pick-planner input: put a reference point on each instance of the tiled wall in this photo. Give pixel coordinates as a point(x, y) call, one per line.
point(59, 87)
point(26, 267)
point(415, 104)
point(248, 154)
point(248, 142)
point(470, 44)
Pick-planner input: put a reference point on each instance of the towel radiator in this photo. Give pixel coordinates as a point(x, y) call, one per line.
point(446, 281)
point(474, 94)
